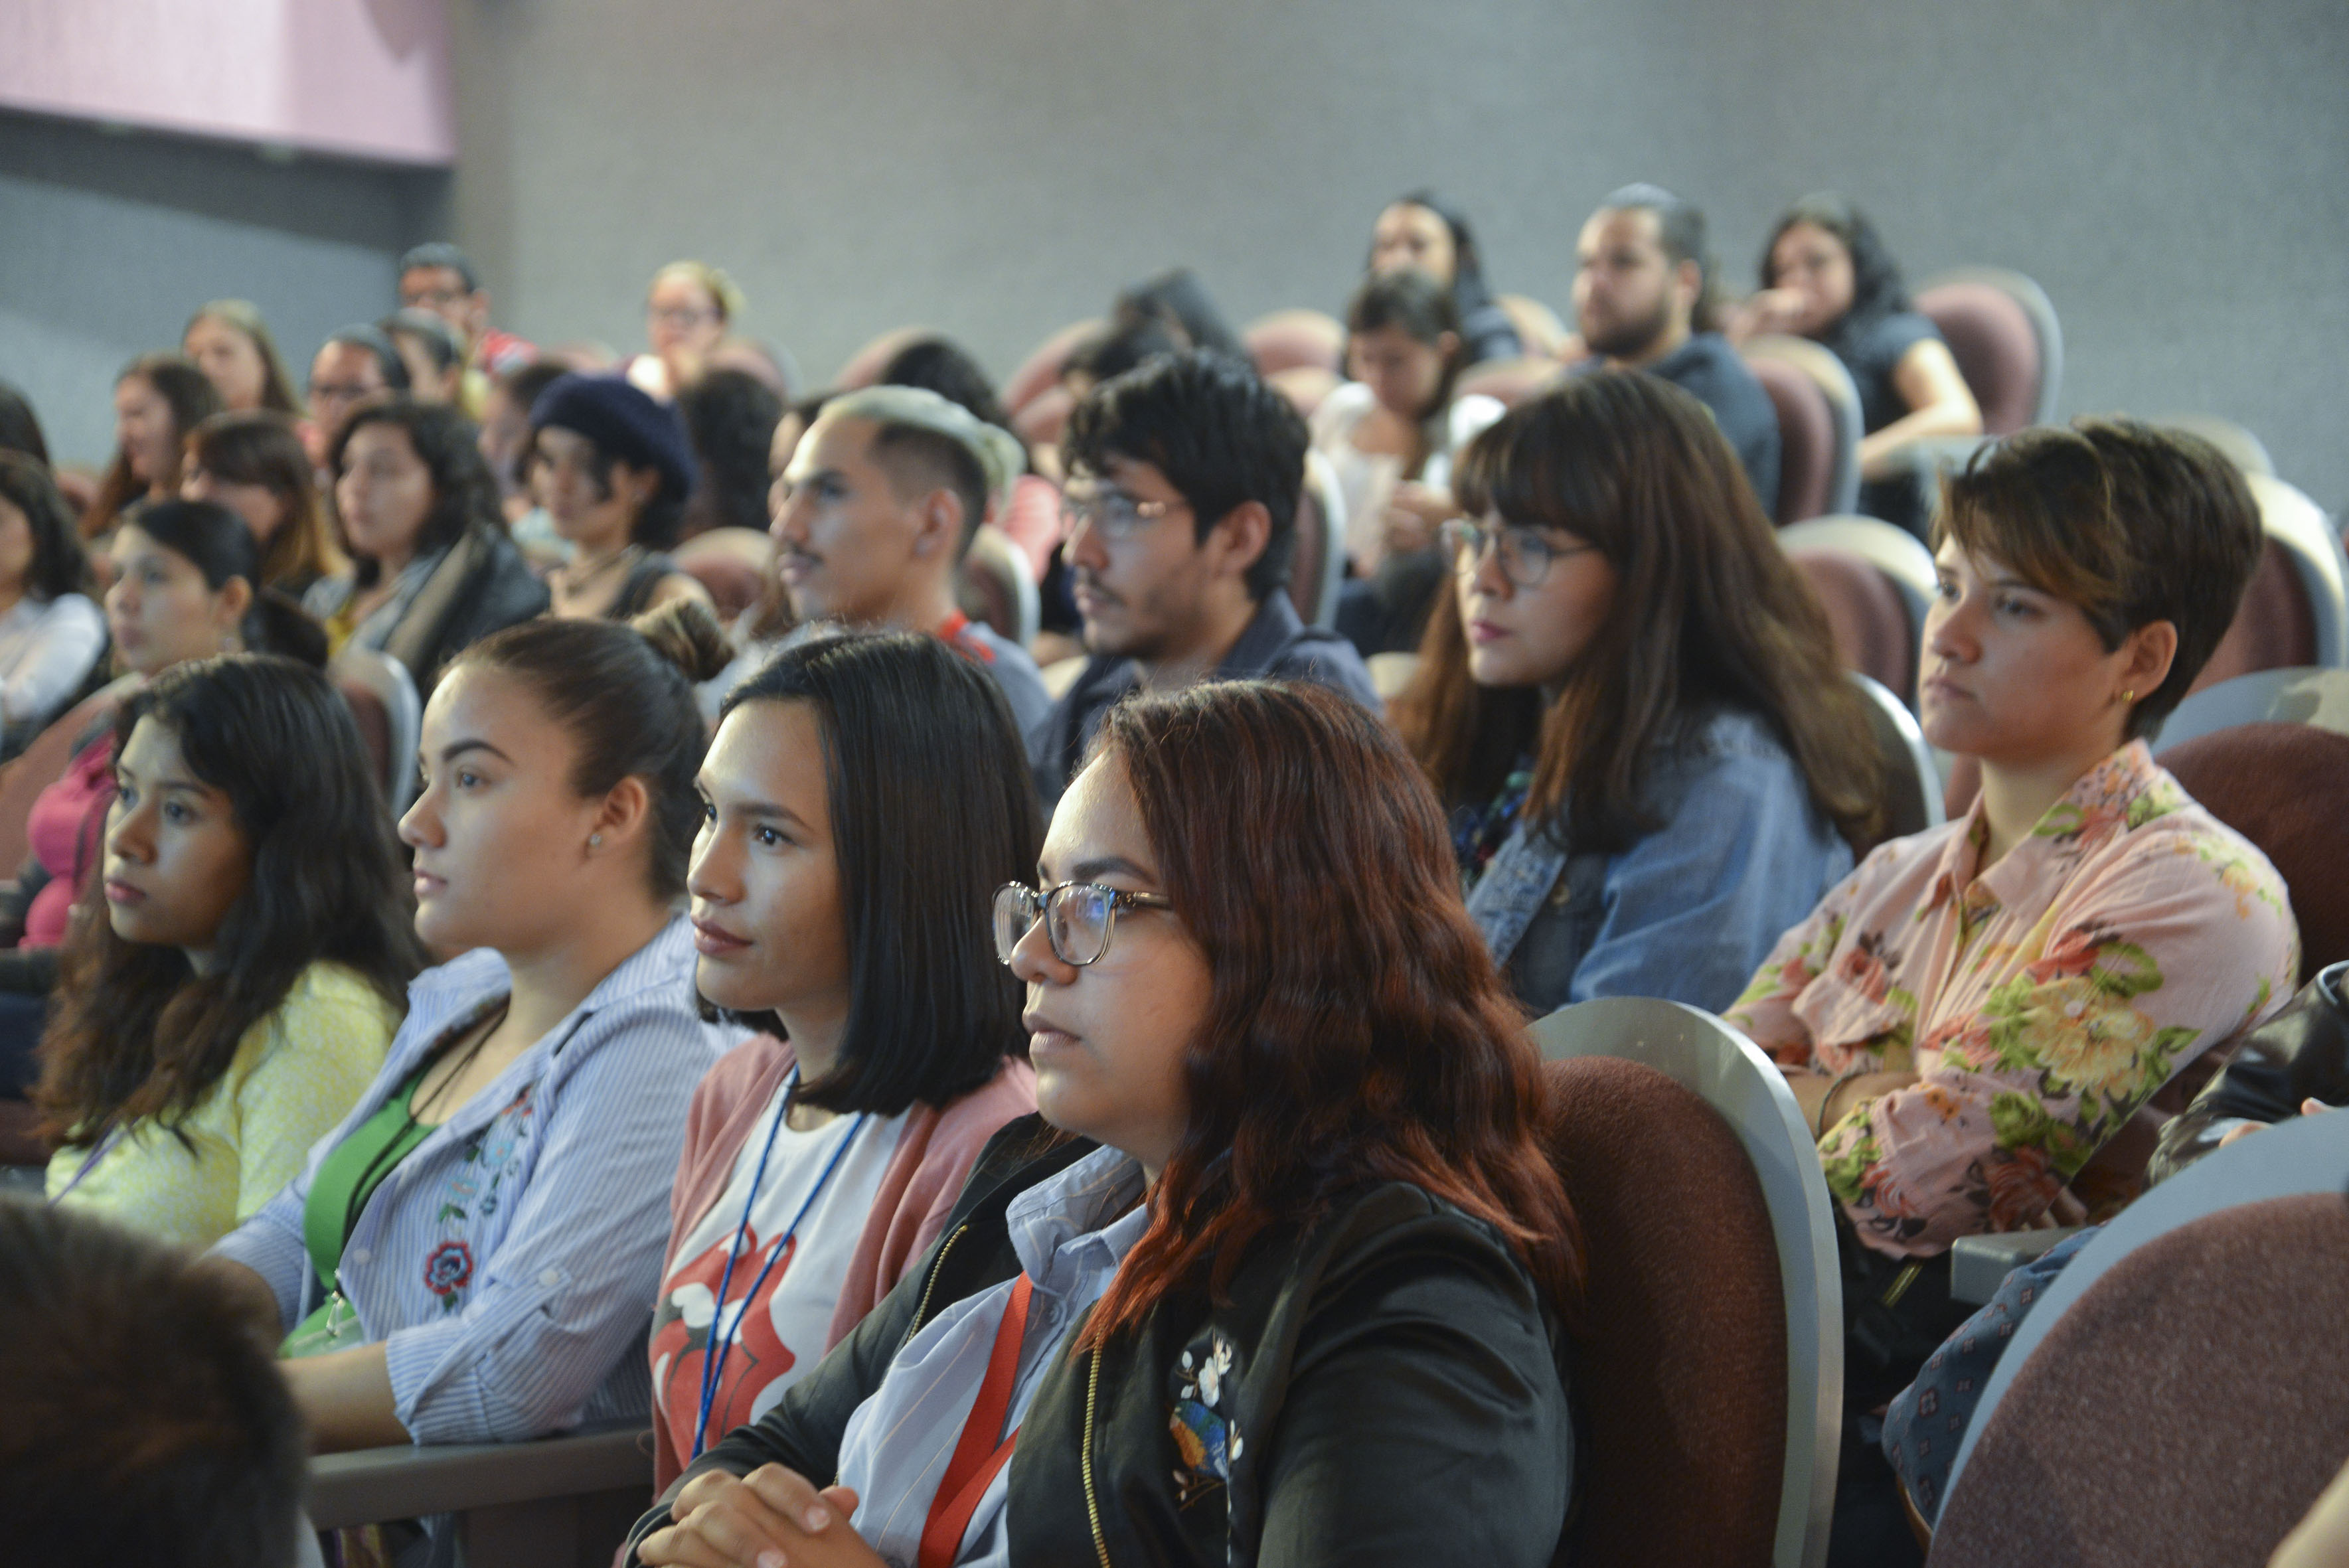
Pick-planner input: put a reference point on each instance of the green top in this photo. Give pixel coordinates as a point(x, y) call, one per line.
point(349, 1177)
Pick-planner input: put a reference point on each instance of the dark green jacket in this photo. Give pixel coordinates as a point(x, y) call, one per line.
point(1395, 1396)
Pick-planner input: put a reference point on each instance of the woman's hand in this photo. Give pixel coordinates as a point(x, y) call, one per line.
point(771, 1518)
point(1772, 310)
point(1811, 1089)
point(1413, 514)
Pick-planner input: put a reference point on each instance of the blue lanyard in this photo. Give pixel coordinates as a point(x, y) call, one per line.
point(720, 1345)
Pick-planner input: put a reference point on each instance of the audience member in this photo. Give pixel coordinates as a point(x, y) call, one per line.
point(1286, 1202)
point(357, 364)
point(1178, 301)
point(1423, 230)
point(1126, 342)
point(236, 991)
point(20, 428)
point(730, 419)
point(432, 569)
point(1631, 704)
point(1390, 434)
point(2300, 1056)
point(255, 464)
point(1643, 301)
point(141, 1421)
point(688, 312)
point(504, 441)
point(881, 500)
point(831, 893)
point(433, 353)
point(438, 277)
point(1031, 515)
point(232, 344)
point(1827, 275)
point(485, 1225)
point(51, 632)
point(158, 399)
point(1181, 520)
point(1977, 1009)
point(612, 469)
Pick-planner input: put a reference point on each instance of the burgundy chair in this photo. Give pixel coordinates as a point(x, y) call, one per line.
point(2002, 333)
point(2279, 785)
point(864, 367)
point(1295, 340)
point(2187, 1410)
point(2275, 629)
point(373, 719)
point(1318, 562)
point(733, 583)
point(1806, 442)
point(1681, 1368)
point(1867, 614)
point(1041, 369)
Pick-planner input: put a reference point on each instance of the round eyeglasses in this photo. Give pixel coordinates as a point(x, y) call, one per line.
point(1525, 556)
point(1077, 917)
point(1113, 514)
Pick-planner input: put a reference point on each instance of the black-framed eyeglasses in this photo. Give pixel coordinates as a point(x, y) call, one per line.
point(1078, 917)
point(1525, 556)
point(1113, 514)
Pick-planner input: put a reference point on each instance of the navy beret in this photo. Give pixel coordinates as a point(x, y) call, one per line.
point(623, 422)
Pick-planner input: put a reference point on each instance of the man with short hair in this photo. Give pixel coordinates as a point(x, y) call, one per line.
point(1181, 520)
point(354, 365)
point(439, 278)
point(875, 509)
point(142, 1417)
point(1639, 301)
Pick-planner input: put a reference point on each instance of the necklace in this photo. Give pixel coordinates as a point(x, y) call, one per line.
point(482, 1033)
point(580, 574)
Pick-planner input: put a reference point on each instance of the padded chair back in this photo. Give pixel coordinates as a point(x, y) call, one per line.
point(2279, 785)
point(864, 367)
point(42, 764)
point(2002, 332)
point(1319, 564)
point(1041, 369)
point(2242, 448)
point(1712, 1371)
point(368, 678)
point(996, 587)
point(1893, 552)
point(1042, 417)
point(1296, 340)
point(1820, 468)
point(2274, 629)
point(2299, 525)
point(2304, 695)
point(1912, 785)
point(1864, 612)
point(1511, 381)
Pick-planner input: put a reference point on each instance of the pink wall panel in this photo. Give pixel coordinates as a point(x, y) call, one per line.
point(362, 78)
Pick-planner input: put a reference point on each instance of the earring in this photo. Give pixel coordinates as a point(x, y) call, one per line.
point(2129, 696)
point(595, 840)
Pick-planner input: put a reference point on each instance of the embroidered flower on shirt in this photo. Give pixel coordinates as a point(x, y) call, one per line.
point(1200, 1419)
point(447, 1268)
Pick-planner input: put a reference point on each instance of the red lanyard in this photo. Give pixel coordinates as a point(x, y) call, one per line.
point(977, 1456)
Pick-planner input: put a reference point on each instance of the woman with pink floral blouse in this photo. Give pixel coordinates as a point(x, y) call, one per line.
point(1976, 1008)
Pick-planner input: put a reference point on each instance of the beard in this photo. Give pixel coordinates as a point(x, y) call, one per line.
point(1629, 339)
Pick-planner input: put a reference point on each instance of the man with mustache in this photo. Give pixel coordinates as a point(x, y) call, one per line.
point(878, 504)
point(1179, 523)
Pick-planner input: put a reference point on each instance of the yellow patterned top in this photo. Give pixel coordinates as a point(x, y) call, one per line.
point(296, 1074)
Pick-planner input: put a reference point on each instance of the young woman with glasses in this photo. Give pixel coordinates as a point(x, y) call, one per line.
point(1631, 706)
point(835, 901)
point(1276, 1277)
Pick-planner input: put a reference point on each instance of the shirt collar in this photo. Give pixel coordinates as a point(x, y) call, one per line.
point(1071, 1208)
point(2100, 803)
point(1274, 626)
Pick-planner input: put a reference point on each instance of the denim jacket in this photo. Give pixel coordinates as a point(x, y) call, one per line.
point(1683, 913)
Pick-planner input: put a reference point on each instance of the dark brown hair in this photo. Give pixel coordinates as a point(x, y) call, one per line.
point(192, 400)
point(59, 565)
point(1707, 614)
point(464, 491)
point(261, 448)
point(2131, 523)
point(1422, 310)
point(1385, 1048)
point(278, 394)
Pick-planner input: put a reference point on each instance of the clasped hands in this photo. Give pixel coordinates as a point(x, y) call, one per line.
point(771, 1518)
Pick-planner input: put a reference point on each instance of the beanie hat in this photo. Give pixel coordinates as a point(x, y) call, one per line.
point(623, 422)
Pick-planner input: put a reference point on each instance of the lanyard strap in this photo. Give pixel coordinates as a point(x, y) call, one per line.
point(98, 1153)
point(977, 1456)
point(720, 1342)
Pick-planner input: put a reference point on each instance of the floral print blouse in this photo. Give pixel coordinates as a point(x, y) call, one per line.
point(2040, 1001)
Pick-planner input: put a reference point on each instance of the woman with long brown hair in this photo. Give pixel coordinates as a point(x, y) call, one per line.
point(1284, 1238)
point(255, 464)
point(158, 399)
point(1631, 706)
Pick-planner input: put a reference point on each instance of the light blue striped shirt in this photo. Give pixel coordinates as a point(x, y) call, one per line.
point(509, 1262)
point(1070, 1234)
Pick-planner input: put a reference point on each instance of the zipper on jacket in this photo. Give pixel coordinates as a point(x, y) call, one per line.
point(1092, 1508)
point(938, 1266)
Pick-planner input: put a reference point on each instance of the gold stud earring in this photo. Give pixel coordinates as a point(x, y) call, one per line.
point(2129, 696)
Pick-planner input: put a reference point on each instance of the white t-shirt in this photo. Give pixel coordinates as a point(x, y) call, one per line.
point(781, 1333)
point(1367, 478)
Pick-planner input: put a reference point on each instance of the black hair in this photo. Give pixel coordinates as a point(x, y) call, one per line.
point(1178, 300)
point(216, 541)
point(142, 1417)
point(1877, 290)
point(440, 253)
point(909, 723)
point(1679, 233)
point(939, 365)
point(918, 458)
point(523, 383)
point(134, 1032)
point(625, 693)
point(1121, 347)
point(1469, 293)
point(1220, 436)
point(59, 564)
point(1423, 309)
point(438, 338)
point(730, 419)
point(660, 521)
point(372, 339)
point(20, 428)
point(464, 493)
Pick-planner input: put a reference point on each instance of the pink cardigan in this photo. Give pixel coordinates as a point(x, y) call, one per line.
point(935, 1154)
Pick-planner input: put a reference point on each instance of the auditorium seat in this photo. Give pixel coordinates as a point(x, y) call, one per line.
point(2238, 445)
point(994, 588)
point(1040, 371)
point(1820, 424)
point(2275, 628)
point(1710, 1371)
point(2002, 332)
point(864, 367)
point(1320, 561)
point(383, 698)
point(1511, 381)
point(2292, 520)
point(40, 765)
point(2279, 786)
point(1912, 787)
point(565, 1502)
point(2304, 695)
point(1040, 420)
point(1875, 582)
point(1296, 340)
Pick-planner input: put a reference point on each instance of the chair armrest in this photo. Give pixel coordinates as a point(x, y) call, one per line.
point(1978, 1264)
point(368, 1486)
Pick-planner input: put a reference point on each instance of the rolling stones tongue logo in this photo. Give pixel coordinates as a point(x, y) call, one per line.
point(679, 1347)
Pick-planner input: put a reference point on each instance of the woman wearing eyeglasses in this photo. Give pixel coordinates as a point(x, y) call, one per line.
point(1630, 704)
point(1276, 1277)
point(863, 800)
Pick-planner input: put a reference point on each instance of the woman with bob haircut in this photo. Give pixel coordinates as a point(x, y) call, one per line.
point(816, 1173)
point(158, 399)
point(1631, 704)
point(255, 464)
point(233, 992)
point(469, 1256)
point(432, 569)
point(1277, 1273)
point(51, 634)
